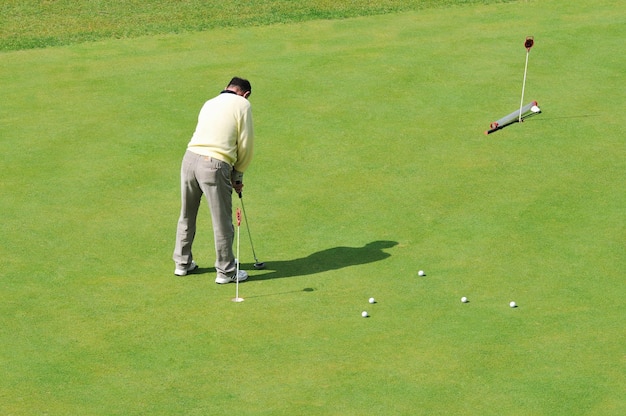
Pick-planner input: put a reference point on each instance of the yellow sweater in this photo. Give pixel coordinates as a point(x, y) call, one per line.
point(224, 131)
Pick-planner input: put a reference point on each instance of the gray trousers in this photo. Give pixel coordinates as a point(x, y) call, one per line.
point(209, 176)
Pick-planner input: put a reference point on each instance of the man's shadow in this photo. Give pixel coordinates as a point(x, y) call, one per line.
point(322, 261)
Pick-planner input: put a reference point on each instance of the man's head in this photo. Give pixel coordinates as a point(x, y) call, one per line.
point(240, 86)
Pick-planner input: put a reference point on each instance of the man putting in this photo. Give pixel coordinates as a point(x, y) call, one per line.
point(217, 156)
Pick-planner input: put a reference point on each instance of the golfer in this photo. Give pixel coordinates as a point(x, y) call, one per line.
point(217, 156)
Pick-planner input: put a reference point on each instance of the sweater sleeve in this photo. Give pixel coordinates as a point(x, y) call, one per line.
point(245, 141)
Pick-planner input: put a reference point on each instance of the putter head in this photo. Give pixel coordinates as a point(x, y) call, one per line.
point(259, 265)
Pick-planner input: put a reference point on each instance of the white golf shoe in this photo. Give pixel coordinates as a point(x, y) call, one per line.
point(242, 275)
point(183, 271)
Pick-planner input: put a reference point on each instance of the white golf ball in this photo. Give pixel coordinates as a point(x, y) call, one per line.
point(421, 273)
point(464, 299)
point(513, 305)
point(535, 109)
point(364, 314)
point(372, 300)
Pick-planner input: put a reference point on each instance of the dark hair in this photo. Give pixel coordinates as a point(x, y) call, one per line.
point(244, 84)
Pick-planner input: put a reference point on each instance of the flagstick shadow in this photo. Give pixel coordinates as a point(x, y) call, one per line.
point(306, 289)
point(565, 117)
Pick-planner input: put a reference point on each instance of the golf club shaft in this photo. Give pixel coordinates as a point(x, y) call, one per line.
point(245, 217)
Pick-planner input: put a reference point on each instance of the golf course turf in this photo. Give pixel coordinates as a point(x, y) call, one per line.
point(371, 163)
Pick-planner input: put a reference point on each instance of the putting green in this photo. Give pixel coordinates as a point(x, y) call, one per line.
point(371, 164)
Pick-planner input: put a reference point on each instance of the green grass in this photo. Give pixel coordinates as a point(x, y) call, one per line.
point(26, 24)
point(369, 129)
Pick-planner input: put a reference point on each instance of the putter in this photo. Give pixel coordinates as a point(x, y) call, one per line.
point(530, 41)
point(257, 265)
point(237, 298)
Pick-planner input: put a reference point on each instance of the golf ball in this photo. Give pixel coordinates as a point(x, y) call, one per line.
point(464, 299)
point(372, 300)
point(535, 109)
point(513, 305)
point(421, 273)
point(364, 314)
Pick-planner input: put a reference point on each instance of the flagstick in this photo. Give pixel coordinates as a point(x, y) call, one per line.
point(237, 298)
point(530, 41)
point(521, 104)
point(237, 273)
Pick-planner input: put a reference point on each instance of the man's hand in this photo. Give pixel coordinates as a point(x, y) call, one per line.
point(238, 186)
